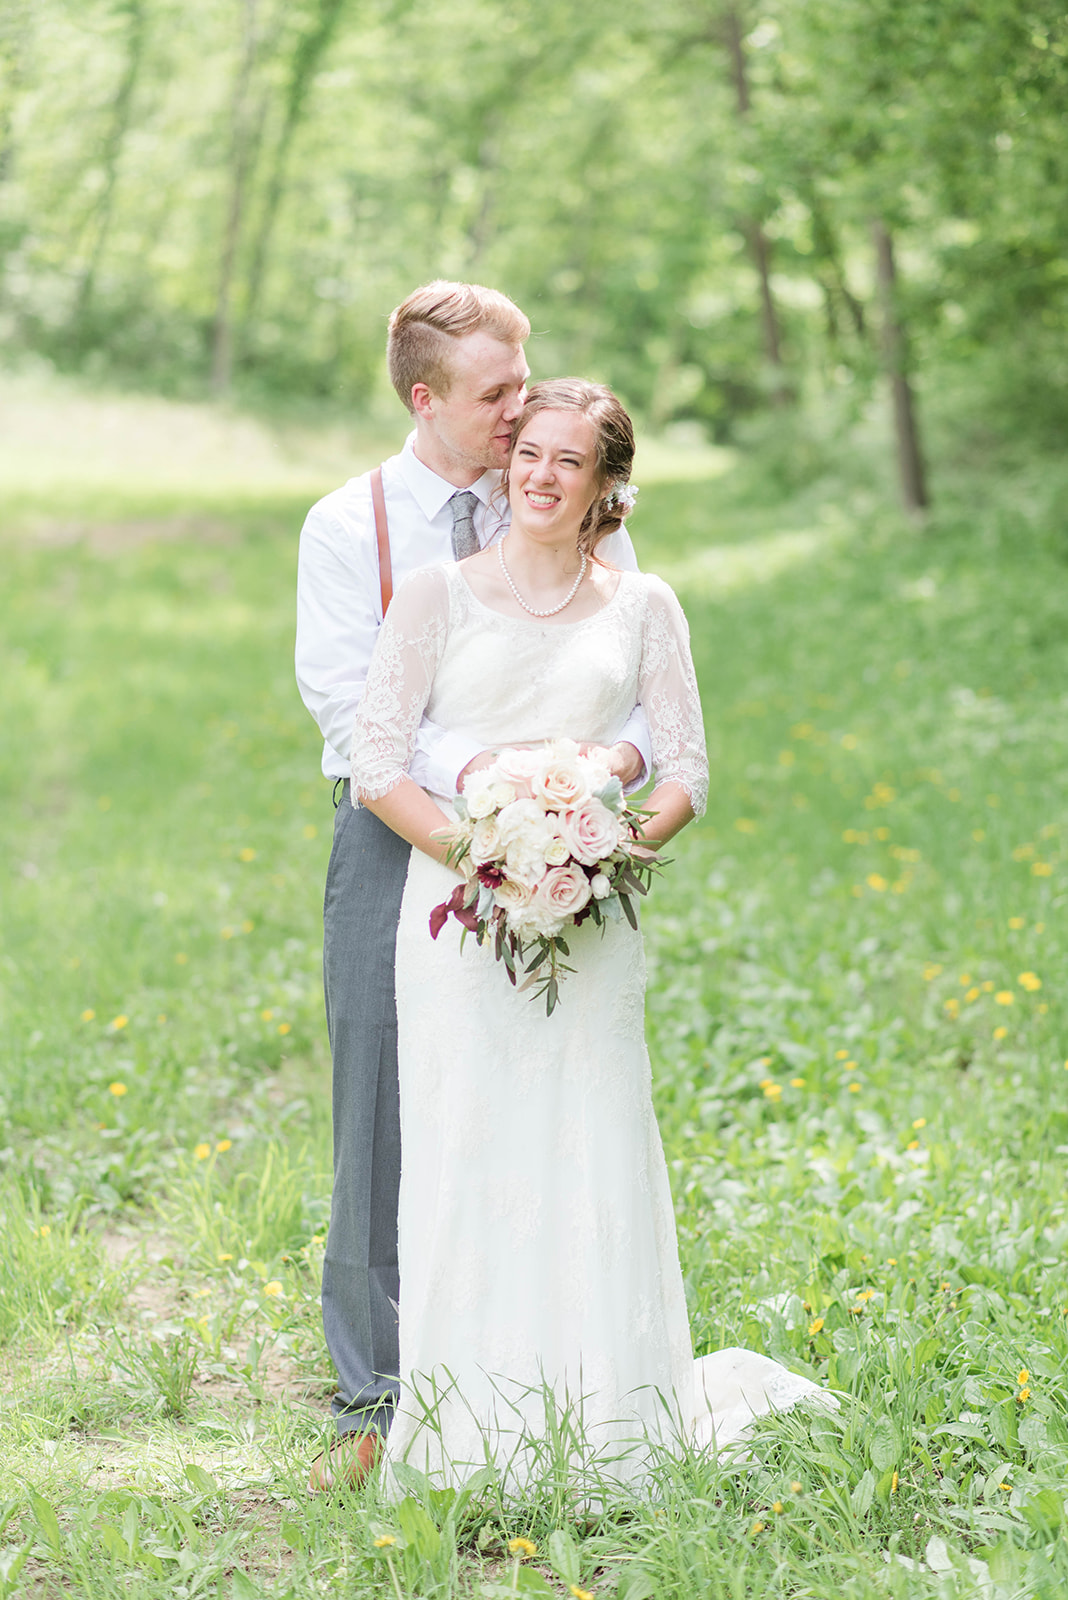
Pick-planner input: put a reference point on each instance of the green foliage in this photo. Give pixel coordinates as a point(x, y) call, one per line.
point(865, 1136)
point(241, 193)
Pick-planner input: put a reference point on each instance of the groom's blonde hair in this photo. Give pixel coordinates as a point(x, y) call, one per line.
point(423, 328)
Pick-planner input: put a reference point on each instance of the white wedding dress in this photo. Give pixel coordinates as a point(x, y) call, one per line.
point(539, 1268)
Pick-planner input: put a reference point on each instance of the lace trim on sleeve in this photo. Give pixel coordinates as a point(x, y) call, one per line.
point(669, 695)
point(406, 655)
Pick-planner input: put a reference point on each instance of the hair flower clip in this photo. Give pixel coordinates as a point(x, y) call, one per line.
point(622, 495)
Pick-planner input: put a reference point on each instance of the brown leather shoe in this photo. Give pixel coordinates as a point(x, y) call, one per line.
point(349, 1461)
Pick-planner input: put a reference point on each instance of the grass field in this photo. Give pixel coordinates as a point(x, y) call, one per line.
point(857, 1016)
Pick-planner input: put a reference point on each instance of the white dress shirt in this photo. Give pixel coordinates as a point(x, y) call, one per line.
point(339, 602)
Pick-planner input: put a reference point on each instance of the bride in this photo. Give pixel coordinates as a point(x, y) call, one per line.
point(539, 1270)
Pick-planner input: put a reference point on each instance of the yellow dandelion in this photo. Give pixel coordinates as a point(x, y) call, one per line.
point(1001, 1032)
point(580, 1594)
point(931, 971)
point(273, 1288)
point(773, 1091)
point(202, 1152)
point(1006, 1486)
point(224, 1255)
point(745, 825)
point(758, 1527)
point(972, 994)
point(854, 1088)
point(310, 830)
point(786, 758)
point(893, 1483)
point(162, 1017)
point(841, 1055)
point(876, 881)
point(848, 741)
point(866, 1294)
point(88, 1015)
point(285, 1027)
point(1017, 923)
point(1005, 997)
point(44, 1230)
point(1029, 981)
point(978, 834)
point(119, 1022)
point(384, 1541)
point(913, 1144)
point(268, 1015)
point(117, 1089)
point(181, 959)
point(222, 1146)
point(797, 1083)
point(1041, 869)
point(952, 1007)
point(777, 1507)
point(988, 986)
point(1040, 927)
point(965, 979)
point(850, 1066)
point(1023, 1396)
point(795, 1487)
point(248, 925)
point(815, 1327)
point(226, 933)
point(522, 1547)
point(247, 854)
point(944, 1286)
point(882, 833)
point(891, 1261)
point(920, 1122)
point(1023, 1376)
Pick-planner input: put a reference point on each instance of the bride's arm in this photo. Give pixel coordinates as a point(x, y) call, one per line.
point(668, 692)
point(410, 812)
point(406, 657)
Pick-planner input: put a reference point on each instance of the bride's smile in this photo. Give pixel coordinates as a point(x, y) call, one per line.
point(553, 476)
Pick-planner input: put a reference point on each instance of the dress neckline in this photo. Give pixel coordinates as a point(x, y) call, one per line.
point(539, 622)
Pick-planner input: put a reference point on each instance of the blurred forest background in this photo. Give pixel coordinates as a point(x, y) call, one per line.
point(725, 210)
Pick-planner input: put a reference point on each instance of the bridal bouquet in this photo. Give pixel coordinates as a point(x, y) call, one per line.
point(545, 840)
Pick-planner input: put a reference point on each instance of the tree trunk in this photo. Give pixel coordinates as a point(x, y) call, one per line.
point(754, 232)
point(895, 356)
point(307, 55)
point(112, 150)
point(241, 150)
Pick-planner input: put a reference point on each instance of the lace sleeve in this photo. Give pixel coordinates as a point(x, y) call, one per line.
point(668, 692)
point(406, 656)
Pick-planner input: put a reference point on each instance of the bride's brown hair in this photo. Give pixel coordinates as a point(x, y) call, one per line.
point(615, 445)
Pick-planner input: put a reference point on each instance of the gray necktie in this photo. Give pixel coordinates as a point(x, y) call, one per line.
point(464, 537)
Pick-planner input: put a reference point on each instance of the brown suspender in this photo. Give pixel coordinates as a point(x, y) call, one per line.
point(385, 566)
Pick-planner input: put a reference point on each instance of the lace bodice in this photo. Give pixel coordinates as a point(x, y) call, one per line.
point(516, 680)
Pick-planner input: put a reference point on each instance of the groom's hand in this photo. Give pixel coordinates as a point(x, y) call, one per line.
point(478, 763)
point(626, 762)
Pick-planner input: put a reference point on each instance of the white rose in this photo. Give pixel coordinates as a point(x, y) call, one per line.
point(590, 831)
point(503, 793)
point(513, 895)
point(556, 851)
point(559, 781)
point(486, 843)
point(600, 886)
point(478, 792)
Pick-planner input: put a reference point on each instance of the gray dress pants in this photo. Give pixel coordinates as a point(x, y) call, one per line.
point(361, 1285)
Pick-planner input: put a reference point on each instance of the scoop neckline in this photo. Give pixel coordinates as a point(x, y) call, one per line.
point(540, 622)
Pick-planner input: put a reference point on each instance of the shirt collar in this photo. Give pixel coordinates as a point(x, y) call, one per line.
point(431, 493)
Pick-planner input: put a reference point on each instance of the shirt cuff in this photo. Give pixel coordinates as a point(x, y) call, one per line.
point(440, 757)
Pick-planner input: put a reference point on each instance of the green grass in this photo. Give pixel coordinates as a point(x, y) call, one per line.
point(856, 1013)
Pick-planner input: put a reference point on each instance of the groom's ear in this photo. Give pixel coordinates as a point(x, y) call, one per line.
point(423, 401)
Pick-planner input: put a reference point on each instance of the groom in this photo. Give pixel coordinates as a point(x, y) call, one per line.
point(455, 356)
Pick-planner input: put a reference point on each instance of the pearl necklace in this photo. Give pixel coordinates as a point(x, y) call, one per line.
point(572, 592)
